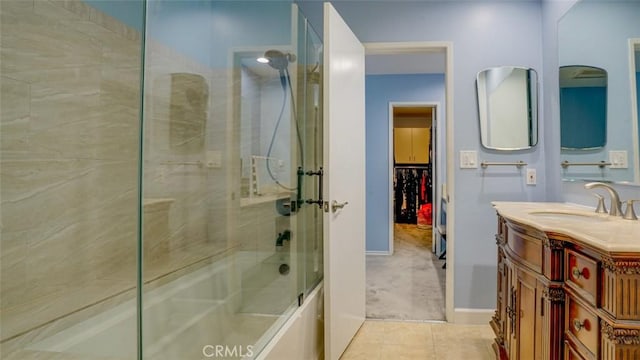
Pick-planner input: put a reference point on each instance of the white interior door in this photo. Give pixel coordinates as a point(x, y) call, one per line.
point(344, 160)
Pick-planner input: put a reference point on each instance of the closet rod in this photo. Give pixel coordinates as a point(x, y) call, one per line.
point(410, 167)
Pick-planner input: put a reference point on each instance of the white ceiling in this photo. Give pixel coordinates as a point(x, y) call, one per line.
point(417, 63)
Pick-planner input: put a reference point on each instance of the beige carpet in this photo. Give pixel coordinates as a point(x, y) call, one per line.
point(409, 285)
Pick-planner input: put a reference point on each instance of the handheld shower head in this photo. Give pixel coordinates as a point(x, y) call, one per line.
point(279, 60)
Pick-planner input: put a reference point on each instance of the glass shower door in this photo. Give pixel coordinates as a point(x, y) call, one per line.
point(225, 131)
point(69, 141)
point(310, 215)
point(228, 242)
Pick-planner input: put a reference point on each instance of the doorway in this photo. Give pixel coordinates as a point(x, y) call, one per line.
point(412, 153)
point(408, 281)
point(409, 284)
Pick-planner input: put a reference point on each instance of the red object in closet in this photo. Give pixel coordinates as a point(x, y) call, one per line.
point(424, 215)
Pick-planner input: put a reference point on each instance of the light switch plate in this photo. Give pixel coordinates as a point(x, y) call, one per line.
point(468, 159)
point(618, 159)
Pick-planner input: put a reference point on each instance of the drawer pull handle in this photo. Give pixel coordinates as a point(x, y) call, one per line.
point(579, 325)
point(577, 274)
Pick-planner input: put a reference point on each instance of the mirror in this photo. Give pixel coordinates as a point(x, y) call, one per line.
point(583, 107)
point(507, 107)
point(600, 34)
point(634, 50)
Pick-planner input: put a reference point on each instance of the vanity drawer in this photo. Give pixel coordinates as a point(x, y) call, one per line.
point(582, 324)
point(582, 274)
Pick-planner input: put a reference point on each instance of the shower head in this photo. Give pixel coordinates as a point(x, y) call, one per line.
point(278, 60)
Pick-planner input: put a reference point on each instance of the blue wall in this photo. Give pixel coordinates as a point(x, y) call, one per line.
point(130, 12)
point(483, 34)
point(380, 90)
point(206, 30)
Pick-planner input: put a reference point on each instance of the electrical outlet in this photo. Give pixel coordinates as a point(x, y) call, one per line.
point(618, 159)
point(468, 159)
point(531, 176)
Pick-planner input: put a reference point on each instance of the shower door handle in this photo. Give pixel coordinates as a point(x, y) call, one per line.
point(319, 174)
point(336, 205)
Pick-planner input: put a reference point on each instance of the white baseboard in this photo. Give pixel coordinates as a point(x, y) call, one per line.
point(472, 316)
point(387, 253)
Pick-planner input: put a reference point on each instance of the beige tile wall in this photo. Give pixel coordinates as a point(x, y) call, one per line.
point(69, 141)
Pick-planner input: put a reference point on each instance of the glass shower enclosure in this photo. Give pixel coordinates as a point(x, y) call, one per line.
point(160, 171)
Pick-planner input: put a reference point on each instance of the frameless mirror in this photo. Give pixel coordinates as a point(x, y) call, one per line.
point(634, 49)
point(507, 107)
point(583, 107)
point(601, 34)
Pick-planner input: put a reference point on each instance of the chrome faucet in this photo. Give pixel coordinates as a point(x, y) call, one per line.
point(616, 206)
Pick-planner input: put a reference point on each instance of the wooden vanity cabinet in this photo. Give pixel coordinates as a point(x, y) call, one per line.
point(528, 319)
point(558, 298)
point(602, 303)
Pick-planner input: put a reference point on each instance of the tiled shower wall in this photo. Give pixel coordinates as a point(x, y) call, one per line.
point(69, 143)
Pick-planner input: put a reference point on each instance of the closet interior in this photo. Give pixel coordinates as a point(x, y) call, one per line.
point(412, 152)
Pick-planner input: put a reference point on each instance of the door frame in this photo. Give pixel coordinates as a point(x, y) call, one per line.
point(434, 192)
point(635, 121)
point(413, 47)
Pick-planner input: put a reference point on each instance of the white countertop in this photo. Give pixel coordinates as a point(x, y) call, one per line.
point(612, 234)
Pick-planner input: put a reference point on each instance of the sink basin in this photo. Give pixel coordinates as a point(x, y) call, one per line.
point(565, 215)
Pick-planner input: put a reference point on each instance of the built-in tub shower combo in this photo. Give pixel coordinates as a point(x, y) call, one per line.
point(158, 186)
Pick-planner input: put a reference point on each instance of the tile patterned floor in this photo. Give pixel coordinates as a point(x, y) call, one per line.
point(420, 340)
point(410, 284)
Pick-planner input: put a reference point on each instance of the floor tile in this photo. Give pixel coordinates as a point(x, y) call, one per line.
point(399, 340)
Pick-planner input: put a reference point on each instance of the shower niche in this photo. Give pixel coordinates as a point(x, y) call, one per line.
point(264, 88)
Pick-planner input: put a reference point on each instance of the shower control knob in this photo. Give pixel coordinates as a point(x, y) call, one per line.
point(336, 205)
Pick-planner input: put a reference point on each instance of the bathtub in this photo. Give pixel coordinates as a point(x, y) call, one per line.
point(238, 302)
